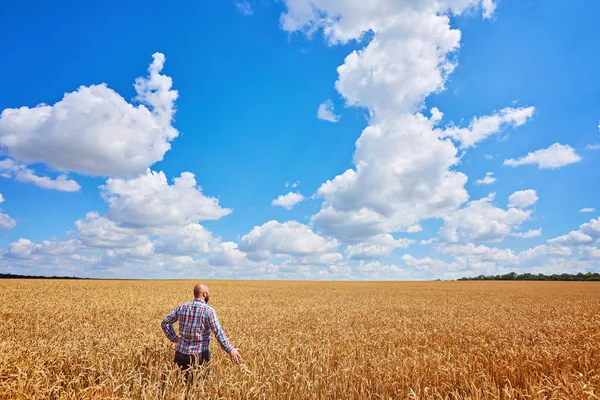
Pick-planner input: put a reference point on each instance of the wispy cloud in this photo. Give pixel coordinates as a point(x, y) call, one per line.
point(244, 7)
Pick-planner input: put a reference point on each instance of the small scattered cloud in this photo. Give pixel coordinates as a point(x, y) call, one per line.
point(489, 157)
point(555, 156)
point(595, 146)
point(488, 8)
point(587, 210)
point(482, 127)
point(288, 201)
point(523, 198)
point(244, 7)
point(292, 185)
point(326, 112)
point(487, 180)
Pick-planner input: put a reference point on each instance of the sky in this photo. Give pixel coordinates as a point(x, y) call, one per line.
point(299, 139)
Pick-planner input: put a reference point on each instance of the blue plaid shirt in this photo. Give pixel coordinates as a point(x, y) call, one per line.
point(196, 321)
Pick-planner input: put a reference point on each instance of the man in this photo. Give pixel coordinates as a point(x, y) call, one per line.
point(196, 321)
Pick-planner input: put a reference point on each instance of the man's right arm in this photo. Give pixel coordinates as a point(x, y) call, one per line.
point(167, 325)
point(217, 329)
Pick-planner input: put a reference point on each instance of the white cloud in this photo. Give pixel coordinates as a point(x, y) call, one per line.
point(523, 198)
point(324, 259)
point(378, 246)
point(20, 172)
point(587, 210)
point(27, 250)
point(287, 239)
point(96, 231)
point(244, 7)
point(488, 157)
point(288, 201)
point(488, 8)
point(595, 146)
point(428, 263)
point(292, 185)
point(377, 270)
point(149, 200)
point(573, 238)
point(403, 174)
point(414, 228)
point(587, 233)
point(555, 156)
point(482, 127)
point(191, 239)
point(326, 112)
point(227, 254)
point(529, 234)
point(591, 228)
point(95, 131)
point(6, 222)
point(487, 180)
point(481, 221)
point(589, 253)
point(542, 251)
point(403, 167)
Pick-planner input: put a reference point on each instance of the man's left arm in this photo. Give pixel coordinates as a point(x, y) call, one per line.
point(167, 326)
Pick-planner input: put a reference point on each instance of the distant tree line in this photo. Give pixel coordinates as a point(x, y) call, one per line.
point(513, 276)
point(16, 276)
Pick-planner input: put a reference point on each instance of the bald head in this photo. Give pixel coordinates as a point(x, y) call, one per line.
point(201, 291)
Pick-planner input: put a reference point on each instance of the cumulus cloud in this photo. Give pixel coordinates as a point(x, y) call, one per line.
point(149, 200)
point(288, 201)
point(287, 239)
point(483, 127)
point(25, 249)
point(403, 174)
point(529, 234)
point(20, 172)
point(586, 234)
point(573, 238)
point(227, 254)
point(414, 228)
point(94, 130)
point(481, 221)
point(188, 240)
point(487, 180)
point(555, 156)
point(326, 112)
point(404, 167)
point(377, 270)
point(6, 222)
point(96, 231)
point(378, 246)
point(523, 198)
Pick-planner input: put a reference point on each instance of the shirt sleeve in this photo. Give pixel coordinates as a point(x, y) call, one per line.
point(215, 327)
point(167, 325)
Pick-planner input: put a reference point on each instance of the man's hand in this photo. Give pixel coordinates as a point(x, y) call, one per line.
point(235, 356)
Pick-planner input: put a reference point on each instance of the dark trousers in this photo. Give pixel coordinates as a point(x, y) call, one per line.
point(186, 361)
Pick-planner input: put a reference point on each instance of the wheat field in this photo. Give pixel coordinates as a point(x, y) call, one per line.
point(305, 340)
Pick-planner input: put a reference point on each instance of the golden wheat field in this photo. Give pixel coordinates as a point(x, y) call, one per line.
point(305, 340)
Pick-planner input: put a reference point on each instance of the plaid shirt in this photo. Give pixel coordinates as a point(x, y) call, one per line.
point(196, 321)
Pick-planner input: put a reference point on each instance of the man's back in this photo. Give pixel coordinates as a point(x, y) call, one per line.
point(196, 322)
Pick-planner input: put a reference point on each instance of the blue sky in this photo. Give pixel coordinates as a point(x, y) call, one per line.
point(425, 99)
